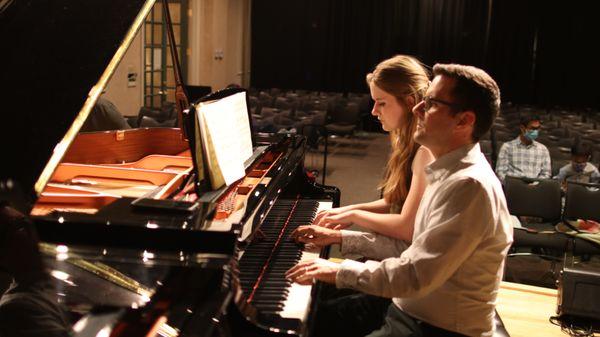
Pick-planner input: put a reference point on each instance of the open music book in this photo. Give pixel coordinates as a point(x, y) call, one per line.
point(225, 137)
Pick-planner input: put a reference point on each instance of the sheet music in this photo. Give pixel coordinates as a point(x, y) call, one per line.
point(225, 123)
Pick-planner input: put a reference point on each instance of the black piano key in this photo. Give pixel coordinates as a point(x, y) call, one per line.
point(270, 308)
point(269, 296)
point(274, 281)
point(271, 289)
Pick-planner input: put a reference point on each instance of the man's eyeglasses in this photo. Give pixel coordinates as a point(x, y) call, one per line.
point(429, 102)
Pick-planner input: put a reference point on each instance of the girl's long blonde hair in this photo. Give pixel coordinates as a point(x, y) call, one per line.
point(401, 76)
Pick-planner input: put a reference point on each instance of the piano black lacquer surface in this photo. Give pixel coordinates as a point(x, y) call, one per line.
point(123, 270)
point(253, 251)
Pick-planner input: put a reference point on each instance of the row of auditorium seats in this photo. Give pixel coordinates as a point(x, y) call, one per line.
point(541, 243)
point(165, 116)
point(542, 199)
point(311, 113)
point(316, 114)
point(275, 110)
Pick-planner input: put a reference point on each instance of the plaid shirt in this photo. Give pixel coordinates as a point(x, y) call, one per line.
point(520, 160)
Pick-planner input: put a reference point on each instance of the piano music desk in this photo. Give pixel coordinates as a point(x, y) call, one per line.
point(525, 310)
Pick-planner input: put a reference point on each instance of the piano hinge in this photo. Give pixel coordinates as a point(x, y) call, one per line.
point(120, 135)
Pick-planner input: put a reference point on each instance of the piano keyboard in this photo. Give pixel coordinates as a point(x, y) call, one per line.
point(298, 298)
point(264, 263)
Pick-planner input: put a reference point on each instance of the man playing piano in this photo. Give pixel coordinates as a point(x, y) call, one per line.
point(445, 283)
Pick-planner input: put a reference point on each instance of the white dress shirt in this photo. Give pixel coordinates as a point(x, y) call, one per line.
point(450, 274)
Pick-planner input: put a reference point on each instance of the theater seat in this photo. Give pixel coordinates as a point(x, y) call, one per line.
point(343, 121)
point(149, 122)
point(582, 201)
point(540, 198)
point(537, 241)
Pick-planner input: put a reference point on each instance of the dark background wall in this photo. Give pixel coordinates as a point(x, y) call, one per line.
point(540, 52)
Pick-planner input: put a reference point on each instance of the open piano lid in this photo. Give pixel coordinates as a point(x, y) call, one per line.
point(58, 57)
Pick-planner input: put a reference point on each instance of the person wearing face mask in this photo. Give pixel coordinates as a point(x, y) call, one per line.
point(523, 156)
point(579, 170)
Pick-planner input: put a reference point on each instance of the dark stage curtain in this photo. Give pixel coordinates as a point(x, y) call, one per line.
point(331, 45)
point(537, 50)
point(510, 54)
point(567, 66)
point(540, 52)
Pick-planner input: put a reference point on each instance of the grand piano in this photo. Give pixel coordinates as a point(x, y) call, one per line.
point(186, 260)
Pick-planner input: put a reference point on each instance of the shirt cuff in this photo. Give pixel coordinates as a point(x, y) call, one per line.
point(348, 274)
point(351, 242)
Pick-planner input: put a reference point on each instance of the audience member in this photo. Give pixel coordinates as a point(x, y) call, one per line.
point(579, 170)
point(104, 117)
point(524, 156)
point(445, 283)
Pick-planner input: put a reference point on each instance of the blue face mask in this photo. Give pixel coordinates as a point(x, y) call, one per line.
point(578, 167)
point(532, 134)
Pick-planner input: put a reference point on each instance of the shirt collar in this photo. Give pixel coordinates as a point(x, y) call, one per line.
point(521, 144)
point(447, 163)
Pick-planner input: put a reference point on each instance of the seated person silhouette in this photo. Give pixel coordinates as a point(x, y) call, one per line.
point(104, 117)
point(29, 307)
point(579, 169)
